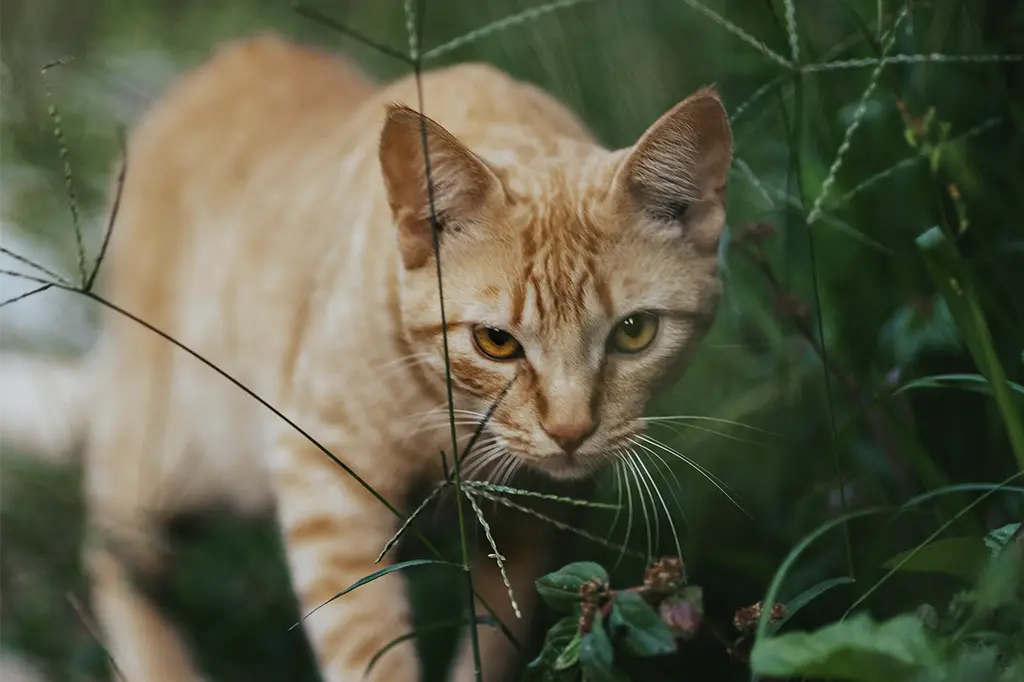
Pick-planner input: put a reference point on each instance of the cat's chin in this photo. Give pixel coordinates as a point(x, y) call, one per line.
point(561, 467)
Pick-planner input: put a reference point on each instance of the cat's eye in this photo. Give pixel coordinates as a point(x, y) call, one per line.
point(497, 344)
point(634, 333)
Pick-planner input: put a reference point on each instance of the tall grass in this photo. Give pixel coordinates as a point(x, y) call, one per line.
point(864, 358)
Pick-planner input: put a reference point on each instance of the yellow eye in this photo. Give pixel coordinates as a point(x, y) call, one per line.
point(497, 344)
point(634, 333)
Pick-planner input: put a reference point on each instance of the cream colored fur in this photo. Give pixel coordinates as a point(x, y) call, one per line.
point(276, 219)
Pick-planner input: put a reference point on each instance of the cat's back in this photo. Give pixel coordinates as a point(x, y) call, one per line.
point(250, 90)
point(228, 135)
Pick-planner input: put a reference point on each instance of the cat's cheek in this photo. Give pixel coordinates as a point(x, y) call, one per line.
point(476, 378)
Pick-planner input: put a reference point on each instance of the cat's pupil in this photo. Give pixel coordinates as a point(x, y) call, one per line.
point(632, 327)
point(498, 337)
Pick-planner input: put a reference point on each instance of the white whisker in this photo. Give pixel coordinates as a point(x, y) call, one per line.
point(675, 429)
point(714, 480)
point(640, 470)
point(661, 498)
point(392, 367)
point(631, 469)
point(695, 417)
point(675, 479)
point(491, 453)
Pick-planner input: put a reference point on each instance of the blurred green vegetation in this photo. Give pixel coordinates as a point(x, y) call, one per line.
point(799, 429)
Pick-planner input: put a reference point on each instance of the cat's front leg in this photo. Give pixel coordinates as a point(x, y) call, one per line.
point(333, 530)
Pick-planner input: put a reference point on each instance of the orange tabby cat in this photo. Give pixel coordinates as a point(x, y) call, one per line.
point(276, 218)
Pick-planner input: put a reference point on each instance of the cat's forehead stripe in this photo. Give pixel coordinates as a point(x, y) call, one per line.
point(560, 278)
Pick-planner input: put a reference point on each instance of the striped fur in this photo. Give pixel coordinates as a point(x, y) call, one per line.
point(276, 218)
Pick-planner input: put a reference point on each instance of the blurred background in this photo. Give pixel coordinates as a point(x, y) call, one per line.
point(813, 396)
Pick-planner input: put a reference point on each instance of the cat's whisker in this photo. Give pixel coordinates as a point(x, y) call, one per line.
point(442, 410)
point(442, 414)
point(390, 368)
point(631, 469)
point(482, 455)
point(621, 464)
point(517, 464)
point(501, 474)
point(697, 417)
point(674, 485)
point(674, 428)
point(440, 425)
point(488, 456)
point(651, 494)
point(714, 480)
point(671, 524)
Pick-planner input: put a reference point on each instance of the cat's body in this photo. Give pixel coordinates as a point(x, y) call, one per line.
point(275, 220)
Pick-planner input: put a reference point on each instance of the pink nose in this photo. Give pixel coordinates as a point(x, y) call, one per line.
point(571, 434)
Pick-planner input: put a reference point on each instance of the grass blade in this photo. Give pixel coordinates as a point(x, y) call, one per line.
point(380, 574)
point(954, 284)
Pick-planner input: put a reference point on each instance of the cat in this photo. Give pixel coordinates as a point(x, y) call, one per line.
point(276, 217)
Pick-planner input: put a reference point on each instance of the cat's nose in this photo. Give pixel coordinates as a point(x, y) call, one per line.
point(569, 435)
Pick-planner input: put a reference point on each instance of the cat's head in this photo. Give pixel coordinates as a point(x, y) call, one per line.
point(573, 284)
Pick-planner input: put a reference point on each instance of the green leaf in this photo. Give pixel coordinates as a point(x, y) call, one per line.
point(561, 589)
point(772, 596)
point(962, 557)
point(998, 539)
point(1000, 583)
point(856, 649)
point(968, 382)
point(954, 282)
point(597, 656)
point(644, 634)
point(555, 643)
point(570, 654)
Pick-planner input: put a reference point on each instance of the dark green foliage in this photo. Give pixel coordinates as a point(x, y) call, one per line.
point(866, 358)
point(561, 589)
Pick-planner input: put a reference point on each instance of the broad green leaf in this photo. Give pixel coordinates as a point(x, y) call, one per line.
point(561, 589)
point(570, 655)
point(998, 539)
point(643, 632)
point(555, 643)
point(974, 664)
point(597, 658)
point(858, 649)
point(962, 557)
point(1000, 583)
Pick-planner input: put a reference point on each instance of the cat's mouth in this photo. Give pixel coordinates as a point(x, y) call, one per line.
point(563, 466)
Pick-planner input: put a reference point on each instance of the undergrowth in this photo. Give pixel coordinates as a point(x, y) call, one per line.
point(836, 489)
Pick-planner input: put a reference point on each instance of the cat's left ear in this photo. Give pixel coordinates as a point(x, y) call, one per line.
point(461, 184)
point(676, 174)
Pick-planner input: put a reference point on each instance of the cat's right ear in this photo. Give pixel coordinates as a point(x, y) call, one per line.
point(676, 174)
point(461, 184)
